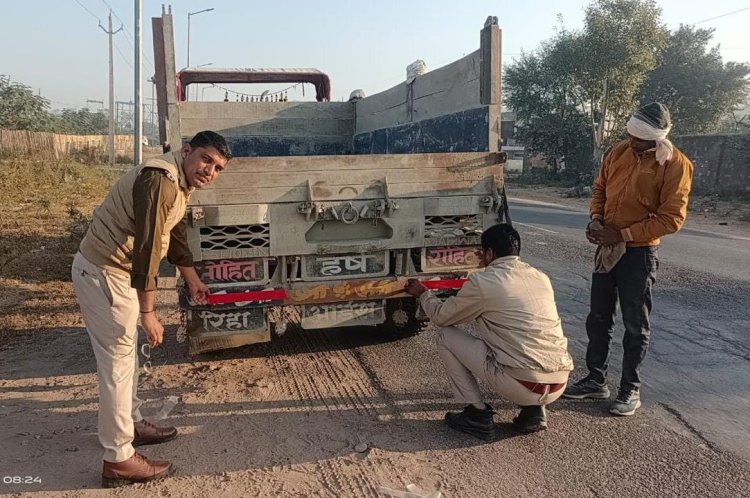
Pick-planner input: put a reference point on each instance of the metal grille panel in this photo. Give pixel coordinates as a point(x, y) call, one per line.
point(452, 226)
point(235, 237)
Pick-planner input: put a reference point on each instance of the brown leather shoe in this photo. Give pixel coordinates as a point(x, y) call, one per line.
point(148, 433)
point(137, 468)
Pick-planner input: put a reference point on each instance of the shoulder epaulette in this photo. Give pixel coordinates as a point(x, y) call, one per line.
point(169, 175)
point(163, 171)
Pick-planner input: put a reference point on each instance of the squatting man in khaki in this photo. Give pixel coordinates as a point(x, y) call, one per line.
point(639, 196)
point(114, 276)
point(518, 347)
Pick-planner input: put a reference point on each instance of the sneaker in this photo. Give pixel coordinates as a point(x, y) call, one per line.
point(531, 419)
point(473, 421)
point(626, 403)
point(587, 388)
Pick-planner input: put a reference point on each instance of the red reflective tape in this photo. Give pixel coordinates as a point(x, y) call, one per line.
point(280, 294)
point(444, 284)
point(241, 297)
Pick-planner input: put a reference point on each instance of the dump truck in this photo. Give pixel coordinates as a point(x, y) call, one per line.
point(328, 207)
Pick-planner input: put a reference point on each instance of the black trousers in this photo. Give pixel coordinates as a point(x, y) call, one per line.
point(630, 282)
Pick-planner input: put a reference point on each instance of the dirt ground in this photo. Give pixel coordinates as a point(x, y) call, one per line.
point(312, 414)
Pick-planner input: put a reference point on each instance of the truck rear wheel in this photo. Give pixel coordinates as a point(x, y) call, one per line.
point(400, 319)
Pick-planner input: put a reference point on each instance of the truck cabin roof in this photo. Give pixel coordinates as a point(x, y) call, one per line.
point(319, 79)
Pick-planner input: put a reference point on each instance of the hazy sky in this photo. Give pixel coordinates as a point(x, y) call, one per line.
point(55, 46)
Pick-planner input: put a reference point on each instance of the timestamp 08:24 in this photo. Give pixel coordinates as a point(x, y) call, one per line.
point(22, 480)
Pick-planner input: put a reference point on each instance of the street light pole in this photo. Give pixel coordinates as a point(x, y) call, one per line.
point(190, 14)
point(153, 100)
point(188, 35)
point(203, 90)
point(138, 124)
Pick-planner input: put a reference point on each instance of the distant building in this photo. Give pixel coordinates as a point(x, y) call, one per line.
point(508, 128)
point(516, 153)
point(519, 161)
point(516, 156)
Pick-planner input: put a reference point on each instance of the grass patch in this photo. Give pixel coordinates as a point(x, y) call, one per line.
point(47, 205)
point(78, 224)
point(49, 182)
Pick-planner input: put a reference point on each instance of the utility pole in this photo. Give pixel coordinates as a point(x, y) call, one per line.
point(111, 144)
point(138, 128)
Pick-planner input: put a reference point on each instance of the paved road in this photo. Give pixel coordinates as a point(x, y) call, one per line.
point(699, 363)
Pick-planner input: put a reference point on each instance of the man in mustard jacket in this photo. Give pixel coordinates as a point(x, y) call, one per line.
point(640, 195)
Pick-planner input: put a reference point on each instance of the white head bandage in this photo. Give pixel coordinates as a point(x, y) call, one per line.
point(644, 131)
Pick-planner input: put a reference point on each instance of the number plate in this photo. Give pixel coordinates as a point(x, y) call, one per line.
point(437, 259)
point(232, 273)
point(351, 314)
point(206, 323)
point(331, 267)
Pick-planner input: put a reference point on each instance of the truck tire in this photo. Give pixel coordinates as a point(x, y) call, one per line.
point(400, 319)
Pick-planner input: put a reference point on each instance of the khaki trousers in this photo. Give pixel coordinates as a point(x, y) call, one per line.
point(110, 311)
point(467, 358)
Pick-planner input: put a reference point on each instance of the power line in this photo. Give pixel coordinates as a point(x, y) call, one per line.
point(128, 35)
point(125, 60)
point(125, 29)
point(722, 15)
point(114, 12)
point(87, 10)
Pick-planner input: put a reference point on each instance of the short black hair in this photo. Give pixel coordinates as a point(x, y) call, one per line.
point(503, 239)
point(208, 138)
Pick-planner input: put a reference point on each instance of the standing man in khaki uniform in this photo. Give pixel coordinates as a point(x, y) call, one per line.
point(114, 276)
point(640, 195)
point(518, 347)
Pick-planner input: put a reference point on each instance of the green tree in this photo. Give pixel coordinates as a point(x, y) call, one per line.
point(21, 109)
point(573, 94)
point(82, 122)
point(540, 88)
point(694, 82)
point(621, 42)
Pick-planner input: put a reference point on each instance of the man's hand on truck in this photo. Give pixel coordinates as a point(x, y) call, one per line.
point(415, 288)
point(198, 290)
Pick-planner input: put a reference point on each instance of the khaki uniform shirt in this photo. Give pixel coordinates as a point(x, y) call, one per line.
point(513, 305)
